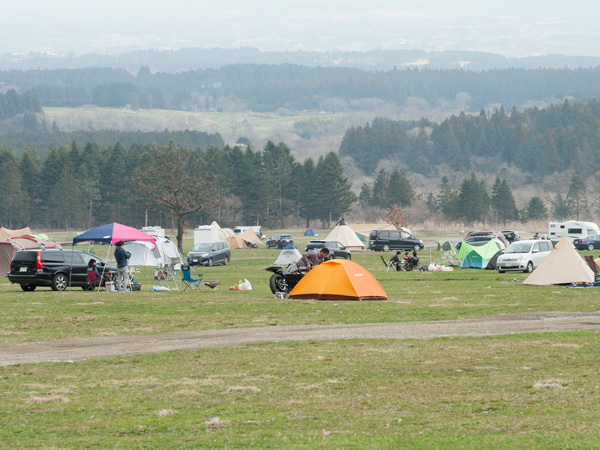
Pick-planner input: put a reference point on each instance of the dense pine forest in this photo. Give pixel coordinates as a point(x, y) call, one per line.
point(537, 141)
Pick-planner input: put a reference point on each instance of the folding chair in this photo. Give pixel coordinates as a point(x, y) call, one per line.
point(190, 283)
point(92, 282)
point(387, 264)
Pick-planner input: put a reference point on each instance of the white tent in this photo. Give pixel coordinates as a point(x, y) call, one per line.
point(287, 256)
point(562, 266)
point(145, 254)
point(348, 238)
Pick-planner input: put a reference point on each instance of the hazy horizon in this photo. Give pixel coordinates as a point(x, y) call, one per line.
point(510, 28)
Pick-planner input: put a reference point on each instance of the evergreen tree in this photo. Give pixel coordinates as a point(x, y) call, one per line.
point(474, 200)
point(400, 190)
point(503, 202)
point(381, 189)
point(365, 197)
point(14, 201)
point(536, 210)
point(576, 195)
point(448, 201)
point(560, 207)
point(335, 191)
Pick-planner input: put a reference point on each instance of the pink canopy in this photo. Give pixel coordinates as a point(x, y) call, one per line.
point(113, 233)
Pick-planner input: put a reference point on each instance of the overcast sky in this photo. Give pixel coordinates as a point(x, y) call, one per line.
point(507, 27)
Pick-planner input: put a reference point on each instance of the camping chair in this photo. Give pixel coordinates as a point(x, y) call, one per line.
point(387, 264)
point(589, 259)
point(92, 282)
point(190, 283)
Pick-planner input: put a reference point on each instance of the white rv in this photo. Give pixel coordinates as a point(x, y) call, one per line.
point(574, 229)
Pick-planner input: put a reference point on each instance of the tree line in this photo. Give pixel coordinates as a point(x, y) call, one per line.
point(475, 201)
point(264, 87)
point(536, 141)
point(81, 186)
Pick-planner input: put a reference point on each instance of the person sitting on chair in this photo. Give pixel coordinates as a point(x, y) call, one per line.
point(396, 261)
point(411, 260)
point(93, 273)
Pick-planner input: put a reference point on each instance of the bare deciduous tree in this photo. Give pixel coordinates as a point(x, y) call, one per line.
point(175, 179)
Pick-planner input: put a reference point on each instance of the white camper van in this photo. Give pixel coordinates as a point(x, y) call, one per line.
point(574, 229)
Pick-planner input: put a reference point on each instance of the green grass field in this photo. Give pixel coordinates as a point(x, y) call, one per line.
point(525, 391)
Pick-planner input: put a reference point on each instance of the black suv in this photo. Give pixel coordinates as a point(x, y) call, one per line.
point(280, 241)
point(52, 267)
point(336, 249)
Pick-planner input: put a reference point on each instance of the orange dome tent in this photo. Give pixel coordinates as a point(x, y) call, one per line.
point(339, 279)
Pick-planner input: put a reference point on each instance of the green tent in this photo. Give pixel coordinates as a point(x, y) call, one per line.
point(478, 256)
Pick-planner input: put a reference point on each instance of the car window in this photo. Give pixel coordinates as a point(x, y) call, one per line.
point(201, 247)
point(73, 257)
point(384, 235)
point(394, 235)
point(52, 257)
point(518, 247)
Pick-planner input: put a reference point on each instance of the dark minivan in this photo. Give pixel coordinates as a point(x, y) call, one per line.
point(387, 240)
point(54, 267)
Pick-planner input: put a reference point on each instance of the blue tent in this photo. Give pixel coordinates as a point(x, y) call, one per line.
point(309, 232)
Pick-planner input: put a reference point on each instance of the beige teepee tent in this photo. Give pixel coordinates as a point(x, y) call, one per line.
point(562, 266)
point(344, 234)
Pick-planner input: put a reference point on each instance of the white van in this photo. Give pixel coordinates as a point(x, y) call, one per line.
point(523, 255)
point(574, 229)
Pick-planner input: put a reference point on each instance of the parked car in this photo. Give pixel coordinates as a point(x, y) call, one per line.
point(591, 242)
point(209, 253)
point(280, 241)
point(387, 240)
point(57, 268)
point(336, 248)
point(523, 255)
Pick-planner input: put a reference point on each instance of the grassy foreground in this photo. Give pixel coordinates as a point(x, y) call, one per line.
point(529, 391)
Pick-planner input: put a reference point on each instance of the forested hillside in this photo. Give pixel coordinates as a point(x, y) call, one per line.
point(537, 141)
point(272, 87)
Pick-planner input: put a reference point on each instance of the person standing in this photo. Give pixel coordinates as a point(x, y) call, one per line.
point(122, 257)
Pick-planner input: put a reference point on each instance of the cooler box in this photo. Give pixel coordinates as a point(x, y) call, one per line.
point(110, 286)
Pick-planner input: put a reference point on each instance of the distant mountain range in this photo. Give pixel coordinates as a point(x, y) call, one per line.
point(214, 58)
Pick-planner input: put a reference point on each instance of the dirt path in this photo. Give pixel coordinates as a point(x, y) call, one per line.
point(82, 349)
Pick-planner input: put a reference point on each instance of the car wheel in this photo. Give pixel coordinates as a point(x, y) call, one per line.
point(349, 257)
point(386, 248)
point(226, 260)
point(210, 262)
point(277, 283)
point(529, 268)
point(59, 282)
point(590, 247)
point(28, 287)
point(417, 247)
